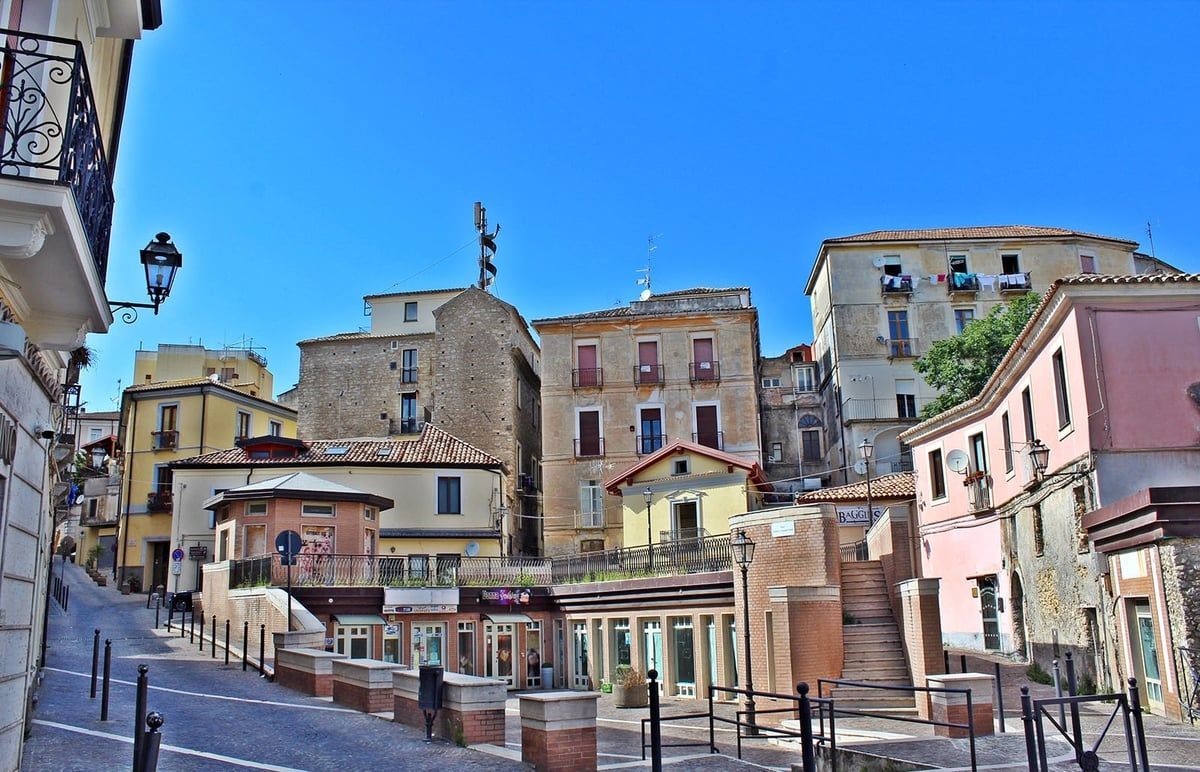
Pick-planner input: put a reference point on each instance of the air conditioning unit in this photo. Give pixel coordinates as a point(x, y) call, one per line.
point(812, 483)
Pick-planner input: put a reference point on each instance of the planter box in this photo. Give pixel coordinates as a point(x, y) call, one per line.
point(631, 696)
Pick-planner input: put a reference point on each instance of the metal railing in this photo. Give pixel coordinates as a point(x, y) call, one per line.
point(589, 447)
point(648, 375)
point(891, 285)
point(51, 130)
point(962, 282)
point(411, 425)
point(159, 501)
point(855, 409)
point(856, 552)
point(587, 378)
point(645, 444)
point(705, 554)
point(1188, 672)
point(714, 440)
point(704, 372)
point(1015, 282)
point(899, 348)
point(167, 439)
point(979, 492)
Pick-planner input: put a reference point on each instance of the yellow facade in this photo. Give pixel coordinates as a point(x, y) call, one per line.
point(240, 367)
point(164, 422)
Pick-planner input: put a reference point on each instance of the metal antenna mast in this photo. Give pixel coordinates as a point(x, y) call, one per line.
point(487, 247)
point(651, 247)
point(1150, 234)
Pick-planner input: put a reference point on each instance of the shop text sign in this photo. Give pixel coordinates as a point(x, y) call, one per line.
point(504, 596)
point(857, 515)
point(421, 609)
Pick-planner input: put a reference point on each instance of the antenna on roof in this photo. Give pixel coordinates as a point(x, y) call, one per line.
point(651, 247)
point(1150, 235)
point(487, 247)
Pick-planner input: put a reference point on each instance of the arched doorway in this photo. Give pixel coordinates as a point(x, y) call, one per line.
point(1018, 617)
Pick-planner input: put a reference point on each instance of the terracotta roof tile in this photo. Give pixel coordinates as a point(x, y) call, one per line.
point(361, 336)
point(434, 447)
point(970, 232)
point(623, 311)
point(415, 292)
point(202, 381)
point(901, 485)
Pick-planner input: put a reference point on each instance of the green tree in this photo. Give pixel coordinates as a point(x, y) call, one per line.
point(959, 367)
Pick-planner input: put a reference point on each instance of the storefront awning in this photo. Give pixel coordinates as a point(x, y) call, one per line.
point(359, 619)
point(505, 619)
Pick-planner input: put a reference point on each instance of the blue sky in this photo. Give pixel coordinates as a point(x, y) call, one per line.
point(304, 154)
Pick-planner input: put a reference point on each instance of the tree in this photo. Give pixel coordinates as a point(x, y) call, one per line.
point(959, 367)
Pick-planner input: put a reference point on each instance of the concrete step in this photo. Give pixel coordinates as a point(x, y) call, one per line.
point(886, 672)
point(867, 603)
point(871, 630)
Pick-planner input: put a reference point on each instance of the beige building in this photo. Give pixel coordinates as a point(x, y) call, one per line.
point(792, 421)
point(880, 299)
point(239, 366)
point(627, 381)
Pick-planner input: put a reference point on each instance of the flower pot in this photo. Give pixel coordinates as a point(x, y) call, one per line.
point(631, 696)
point(547, 676)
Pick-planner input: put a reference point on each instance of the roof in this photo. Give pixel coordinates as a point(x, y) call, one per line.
point(107, 415)
point(181, 383)
point(624, 311)
point(415, 292)
point(901, 485)
point(754, 471)
point(434, 447)
point(298, 485)
point(971, 232)
point(1019, 344)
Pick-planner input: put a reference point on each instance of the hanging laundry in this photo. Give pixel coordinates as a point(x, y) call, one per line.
point(987, 281)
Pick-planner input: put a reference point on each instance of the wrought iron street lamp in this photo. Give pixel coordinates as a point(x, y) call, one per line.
point(161, 260)
point(866, 450)
point(1039, 456)
point(98, 456)
point(743, 555)
point(648, 495)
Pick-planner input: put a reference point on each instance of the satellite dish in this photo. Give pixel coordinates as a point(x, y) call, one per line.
point(472, 549)
point(877, 262)
point(646, 293)
point(957, 461)
point(860, 467)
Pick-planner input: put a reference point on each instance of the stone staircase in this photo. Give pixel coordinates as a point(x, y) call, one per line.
point(873, 651)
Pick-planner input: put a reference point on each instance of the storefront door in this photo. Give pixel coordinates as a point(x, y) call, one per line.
point(499, 640)
point(428, 644)
point(652, 650)
point(582, 678)
point(1148, 653)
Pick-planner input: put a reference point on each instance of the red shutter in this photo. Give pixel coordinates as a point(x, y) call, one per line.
point(586, 358)
point(707, 431)
point(648, 362)
point(589, 433)
point(702, 353)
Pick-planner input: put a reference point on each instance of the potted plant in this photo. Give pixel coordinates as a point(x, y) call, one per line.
point(630, 689)
point(547, 674)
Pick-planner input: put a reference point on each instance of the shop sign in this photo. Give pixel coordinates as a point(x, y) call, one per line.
point(198, 552)
point(785, 528)
point(391, 629)
point(421, 609)
point(857, 515)
point(504, 596)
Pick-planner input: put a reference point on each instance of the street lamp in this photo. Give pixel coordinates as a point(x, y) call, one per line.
point(1039, 456)
point(649, 497)
point(98, 456)
point(866, 450)
point(743, 555)
point(161, 260)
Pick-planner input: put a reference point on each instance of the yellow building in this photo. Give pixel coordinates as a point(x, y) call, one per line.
point(690, 491)
point(233, 365)
point(164, 421)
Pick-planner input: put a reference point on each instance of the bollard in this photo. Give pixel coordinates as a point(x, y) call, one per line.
point(104, 686)
point(149, 761)
point(807, 754)
point(245, 640)
point(157, 610)
point(67, 599)
point(192, 624)
point(1075, 728)
point(139, 716)
point(1058, 693)
point(213, 639)
point(946, 657)
point(655, 723)
point(1027, 721)
point(962, 660)
point(201, 632)
point(170, 613)
point(226, 641)
point(95, 662)
point(1139, 729)
point(262, 647)
point(999, 699)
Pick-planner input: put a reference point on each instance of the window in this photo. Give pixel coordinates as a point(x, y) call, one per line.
point(418, 567)
point(650, 423)
point(369, 541)
point(1060, 390)
point(168, 417)
point(410, 311)
point(254, 508)
point(683, 660)
point(1039, 534)
point(254, 541)
point(978, 453)
point(937, 475)
point(227, 375)
point(393, 344)
point(274, 428)
point(427, 643)
point(1027, 414)
point(804, 378)
point(963, 317)
point(906, 398)
point(243, 425)
point(94, 433)
point(770, 383)
point(900, 343)
point(466, 648)
point(891, 265)
point(354, 641)
point(587, 364)
point(591, 505)
point(649, 371)
point(408, 372)
point(317, 510)
point(1006, 431)
point(1087, 264)
point(449, 495)
point(519, 393)
point(1010, 263)
point(681, 466)
point(810, 439)
point(958, 264)
point(371, 513)
point(319, 538)
point(408, 413)
point(704, 363)
point(776, 452)
point(588, 441)
point(708, 427)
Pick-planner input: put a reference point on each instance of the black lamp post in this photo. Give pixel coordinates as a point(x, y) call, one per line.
point(866, 450)
point(743, 555)
point(649, 497)
point(161, 260)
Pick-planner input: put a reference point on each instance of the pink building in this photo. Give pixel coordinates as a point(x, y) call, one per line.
point(1032, 498)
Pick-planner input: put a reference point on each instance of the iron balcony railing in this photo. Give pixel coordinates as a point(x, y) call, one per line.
point(962, 282)
point(714, 440)
point(649, 443)
point(593, 519)
point(856, 552)
point(899, 348)
point(589, 447)
point(882, 409)
point(1015, 282)
point(165, 440)
point(688, 556)
point(648, 375)
point(411, 425)
point(159, 501)
point(704, 372)
point(979, 491)
point(588, 378)
point(893, 285)
point(52, 131)
point(408, 375)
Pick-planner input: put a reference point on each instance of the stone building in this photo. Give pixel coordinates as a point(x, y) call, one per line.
point(461, 359)
point(625, 382)
point(880, 299)
point(792, 422)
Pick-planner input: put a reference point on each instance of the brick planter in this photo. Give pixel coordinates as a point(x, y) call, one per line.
point(306, 670)
point(363, 684)
point(558, 730)
point(952, 708)
point(472, 707)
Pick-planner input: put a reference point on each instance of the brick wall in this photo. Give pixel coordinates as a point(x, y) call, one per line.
point(573, 749)
point(256, 605)
point(921, 632)
point(472, 728)
point(362, 699)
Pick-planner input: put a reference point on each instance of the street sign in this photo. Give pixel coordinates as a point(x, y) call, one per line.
point(176, 567)
point(198, 552)
point(288, 544)
point(177, 554)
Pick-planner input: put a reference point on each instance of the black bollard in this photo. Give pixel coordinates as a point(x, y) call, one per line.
point(170, 613)
point(999, 699)
point(149, 761)
point(192, 625)
point(1139, 729)
point(104, 685)
point(962, 660)
point(95, 662)
point(245, 641)
point(946, 657)
point(655, 724)
point(213, 640)
point(67, 599)
point(262, 648)
point(157, 609)
point(1075, 728)
point(807, 754)
point(201, 632)
point(226, 641)
point(139, 716)
point(1027, 720)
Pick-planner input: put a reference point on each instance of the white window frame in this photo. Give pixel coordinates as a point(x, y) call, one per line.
point(250, 505)
point(809, 368)
point(305, 507)
point(344, 634)
point(707, 403)
point(275, 428)
point(597, 518)
point(771, 382)
point(237, 422)
point(590, 409)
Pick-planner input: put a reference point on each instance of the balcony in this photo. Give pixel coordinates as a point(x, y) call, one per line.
point(159, 501)
point(882, 409)
point(168, 439)
point(715, 440)
point(962, 282)
point(56, 199)
point(589, 447)
point(588, 378)
point(704, 372)
point(408, 375)
point(683, 535)
point(649, 443)
point(411, 425)
point(895, 285)
point(979, 491)
point(902, 348)
point(589, 520)
point(1015, 282)
point(648, 375)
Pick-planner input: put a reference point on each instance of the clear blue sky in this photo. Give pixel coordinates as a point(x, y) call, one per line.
point(304, 154)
